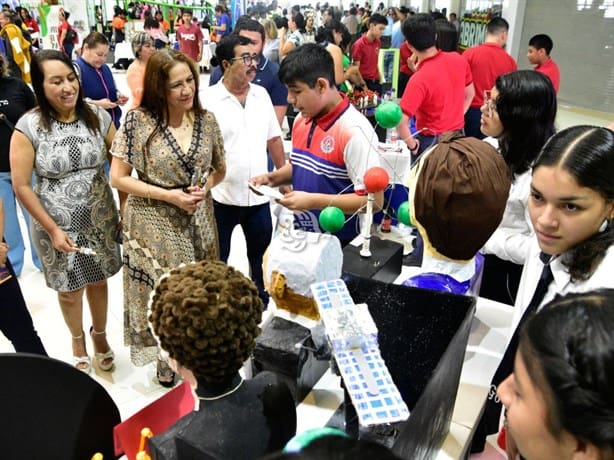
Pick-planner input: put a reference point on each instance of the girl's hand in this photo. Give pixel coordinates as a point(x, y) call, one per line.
point(62, 242)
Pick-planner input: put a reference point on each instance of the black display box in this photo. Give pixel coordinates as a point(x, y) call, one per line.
point(384, 264)
point(423, 335)
point(286, 348)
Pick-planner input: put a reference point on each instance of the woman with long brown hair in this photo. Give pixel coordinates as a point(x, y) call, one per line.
point(172, 143)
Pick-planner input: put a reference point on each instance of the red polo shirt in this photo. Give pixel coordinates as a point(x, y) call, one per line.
point(404, 54)
point(367, 53)
point(487, 61)
point(436, 92)
point(551, 69)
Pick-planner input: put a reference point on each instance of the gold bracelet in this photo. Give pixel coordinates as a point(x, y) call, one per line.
point(148, 192)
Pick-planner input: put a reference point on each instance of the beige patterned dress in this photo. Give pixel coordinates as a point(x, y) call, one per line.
point(159, 236)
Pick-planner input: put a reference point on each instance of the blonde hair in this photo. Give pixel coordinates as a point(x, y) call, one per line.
point(270, 28)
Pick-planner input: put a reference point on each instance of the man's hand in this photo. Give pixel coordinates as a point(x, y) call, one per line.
point(264, 179)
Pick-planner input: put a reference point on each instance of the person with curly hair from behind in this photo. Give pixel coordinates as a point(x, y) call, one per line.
point(206, 317)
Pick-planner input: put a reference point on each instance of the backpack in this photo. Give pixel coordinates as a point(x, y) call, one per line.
point(70, 36)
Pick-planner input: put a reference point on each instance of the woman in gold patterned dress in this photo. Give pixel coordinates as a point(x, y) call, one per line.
point(171, 142)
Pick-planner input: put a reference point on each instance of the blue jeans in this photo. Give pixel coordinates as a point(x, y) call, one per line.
point(257, 227)
point(15, 320)
point(12, 230)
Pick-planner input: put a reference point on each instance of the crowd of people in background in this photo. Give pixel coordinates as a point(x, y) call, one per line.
point(180, 158)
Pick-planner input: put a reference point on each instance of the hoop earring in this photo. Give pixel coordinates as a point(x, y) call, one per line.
point(604, 226)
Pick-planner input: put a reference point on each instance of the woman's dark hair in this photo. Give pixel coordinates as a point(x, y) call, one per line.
point(526, 106)
point(155, 86)
point(587, 154)
point(94, 39)
point(568, 350)
point(151, 23)
point(325, 32)
point(299, 20)
point(47, 112)
point(280, 22)
point(206, 315)
point(447, 36)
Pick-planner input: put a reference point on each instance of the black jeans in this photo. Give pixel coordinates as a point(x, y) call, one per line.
point(15, 320)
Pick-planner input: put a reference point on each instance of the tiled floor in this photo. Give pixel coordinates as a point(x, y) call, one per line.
point(131, 387)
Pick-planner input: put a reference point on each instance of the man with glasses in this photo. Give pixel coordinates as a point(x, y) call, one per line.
point(266, 71)
point(249, 126)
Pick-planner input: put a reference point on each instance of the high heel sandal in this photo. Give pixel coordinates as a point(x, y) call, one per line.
point(82, 363)
point(164, 373)
point(105, 360)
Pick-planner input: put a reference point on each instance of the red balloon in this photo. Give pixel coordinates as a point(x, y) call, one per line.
point(376, 179)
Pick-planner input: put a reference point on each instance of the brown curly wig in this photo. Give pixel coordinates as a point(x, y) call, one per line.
point(206, 316)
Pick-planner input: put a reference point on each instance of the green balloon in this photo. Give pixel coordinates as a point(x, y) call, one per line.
point(388, 114)
point(331, 219)
point(403, 213)
point(305, 438)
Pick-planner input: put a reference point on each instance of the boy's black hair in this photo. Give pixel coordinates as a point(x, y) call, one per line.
point(420, 31)
point(377, 18)
point(251, 25)
point(306, 64)
point(542, 41)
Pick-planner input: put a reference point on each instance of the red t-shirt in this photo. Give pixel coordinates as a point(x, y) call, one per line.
point(436, 92)
point(487, 61)
point(551, 69)
point(190, 39)
point(367, 53)
point(404, 54)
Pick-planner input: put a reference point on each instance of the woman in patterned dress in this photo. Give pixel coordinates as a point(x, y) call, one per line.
point(168, 218)
point(65, 141)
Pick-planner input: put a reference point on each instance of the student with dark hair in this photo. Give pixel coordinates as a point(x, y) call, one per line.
point(538, 54)
point(571, 206)
point(439, 93)
point(559, 398)
point(518, 115)
point(332, 145)
point(190, 37)
point(487, 61)
point(365, 52)
point(233, 418)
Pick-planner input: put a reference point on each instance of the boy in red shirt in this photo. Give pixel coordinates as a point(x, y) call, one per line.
point(440, 91)
point(190, 37)
point(540, 47)
point(365, 52)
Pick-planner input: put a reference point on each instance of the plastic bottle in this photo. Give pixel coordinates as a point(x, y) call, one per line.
point(392, 136)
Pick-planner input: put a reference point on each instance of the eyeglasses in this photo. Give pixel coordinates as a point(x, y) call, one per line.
point(489, 102)
point(248, 59)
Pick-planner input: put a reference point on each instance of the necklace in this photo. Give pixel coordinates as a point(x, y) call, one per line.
point(213, 398)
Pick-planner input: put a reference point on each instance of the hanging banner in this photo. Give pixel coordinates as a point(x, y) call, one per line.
point(473, 27)
point(49, 16)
